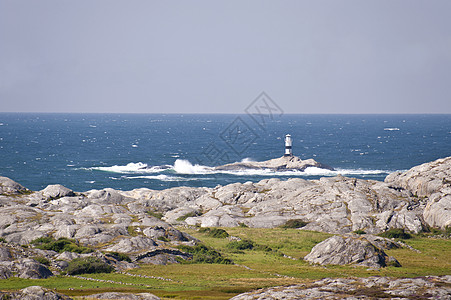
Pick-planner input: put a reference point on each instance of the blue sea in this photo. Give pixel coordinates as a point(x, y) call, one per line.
point(158, 151)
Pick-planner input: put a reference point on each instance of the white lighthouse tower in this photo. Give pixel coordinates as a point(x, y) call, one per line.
point(288, 143)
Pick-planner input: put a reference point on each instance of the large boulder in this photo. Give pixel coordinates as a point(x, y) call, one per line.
point(55, 191)
point(31, 269)
point(345, 250)
point(10, 187)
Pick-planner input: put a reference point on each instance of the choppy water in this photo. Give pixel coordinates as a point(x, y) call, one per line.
point(87, 151)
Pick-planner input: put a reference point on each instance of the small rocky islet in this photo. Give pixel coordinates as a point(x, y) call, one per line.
point(140, 223)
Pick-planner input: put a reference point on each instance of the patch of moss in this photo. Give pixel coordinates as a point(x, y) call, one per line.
point(60, 245)
point(88, 265)
point(294, 223)
point(397, 233)
point(214, 232)
point(119, 256)
point(204, 255)
point(359, 231)
point(42, 260)
point(188, 215)
point(155, 214)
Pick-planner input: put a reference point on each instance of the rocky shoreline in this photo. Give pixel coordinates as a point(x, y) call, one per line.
point(284, 163)
point(140, 222)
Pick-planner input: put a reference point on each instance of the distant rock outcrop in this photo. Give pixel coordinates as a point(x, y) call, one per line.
point(284, 163)
point(350, 249)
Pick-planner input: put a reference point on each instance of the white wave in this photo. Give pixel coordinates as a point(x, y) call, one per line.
point(134, 146)
point(391, 129)
point(310, 171)
point(183, 166)
point(247, 159)
point(163, 177)
point(129, 168)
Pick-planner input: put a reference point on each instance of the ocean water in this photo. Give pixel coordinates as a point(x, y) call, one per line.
point(157, 151)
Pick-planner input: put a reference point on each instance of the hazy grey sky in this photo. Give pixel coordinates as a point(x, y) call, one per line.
point(217, 56)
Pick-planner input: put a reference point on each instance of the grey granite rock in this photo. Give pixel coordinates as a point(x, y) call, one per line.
point(34, 293)
point(430, 182)
point(124, 296)
point(10, 187)
point(349, 249)
point(283, 163)
point(56, 191)
point(431, 287)
point(31, 269)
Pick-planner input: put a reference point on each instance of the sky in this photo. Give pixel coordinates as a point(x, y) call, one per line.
point(110, 56)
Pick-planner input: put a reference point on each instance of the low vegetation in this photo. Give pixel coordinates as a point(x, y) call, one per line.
point(188, 215)
point(119, 256)
point(396, 233)
point(60, 245)
point(207, 276)
point(88, 265)
point(203, 254)
point(42, 260)
point(214, 232)
point(294, 223)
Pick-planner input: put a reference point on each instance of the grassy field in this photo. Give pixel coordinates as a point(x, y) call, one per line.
point(264, 267)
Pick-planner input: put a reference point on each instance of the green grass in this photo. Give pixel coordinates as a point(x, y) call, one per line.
point(265, 268)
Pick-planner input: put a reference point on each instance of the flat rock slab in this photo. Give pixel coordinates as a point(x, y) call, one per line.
point(431, 287)
point(123, 296)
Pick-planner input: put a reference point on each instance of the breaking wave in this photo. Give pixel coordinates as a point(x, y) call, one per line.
point(184, 167)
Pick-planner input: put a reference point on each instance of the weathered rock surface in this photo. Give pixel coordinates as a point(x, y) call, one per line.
point(431, 287)
point(10, 187)
point(56, 191)
point(284, 163)
point(34, 293)
point(350, 249)
point(431, 182)
point(123, 296)
point(124, 221)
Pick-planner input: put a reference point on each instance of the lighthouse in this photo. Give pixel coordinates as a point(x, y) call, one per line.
point(288, 151)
